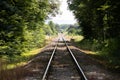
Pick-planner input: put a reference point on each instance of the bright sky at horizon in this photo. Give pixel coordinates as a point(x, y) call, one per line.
point(66, 17)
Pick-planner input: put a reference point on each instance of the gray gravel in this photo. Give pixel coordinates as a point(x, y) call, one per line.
point(61, 70)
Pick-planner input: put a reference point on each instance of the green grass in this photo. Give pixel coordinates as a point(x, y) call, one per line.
point(76, 38)
point(11, 67)
point(16, 61)
point(109, 62)
point(7, 62)
point(98, 52)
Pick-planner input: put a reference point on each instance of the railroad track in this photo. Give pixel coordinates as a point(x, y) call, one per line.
point(62, 64)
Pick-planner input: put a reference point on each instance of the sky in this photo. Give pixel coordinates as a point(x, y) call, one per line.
point(66, 17)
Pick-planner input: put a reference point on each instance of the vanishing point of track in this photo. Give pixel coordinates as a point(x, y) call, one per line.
point(76, 68)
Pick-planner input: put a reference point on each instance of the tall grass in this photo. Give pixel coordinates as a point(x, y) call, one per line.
point(11, 67)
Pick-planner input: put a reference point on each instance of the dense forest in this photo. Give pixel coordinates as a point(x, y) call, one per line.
point(22, 24)
point(100, 23)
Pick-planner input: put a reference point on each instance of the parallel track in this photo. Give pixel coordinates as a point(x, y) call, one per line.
point(77, 66)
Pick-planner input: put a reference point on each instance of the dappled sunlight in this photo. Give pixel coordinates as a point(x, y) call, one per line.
point(88, 52)
point(77, 38)
point(18, 61)
point(91, 66)
point(96, 75)
point(33, 52)
point(84, 51)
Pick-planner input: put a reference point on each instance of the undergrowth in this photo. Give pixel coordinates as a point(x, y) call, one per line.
point(11, 66)
point(17, 60)
point(106, 52)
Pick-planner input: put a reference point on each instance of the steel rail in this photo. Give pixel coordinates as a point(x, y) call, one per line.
point(49, 63)
point(83, 77)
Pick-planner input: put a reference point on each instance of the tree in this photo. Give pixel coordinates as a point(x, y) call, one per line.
point(99, 20)
point(52, 26)
point(22, 23)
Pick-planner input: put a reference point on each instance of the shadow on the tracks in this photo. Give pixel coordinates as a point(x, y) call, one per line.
point(62, 41)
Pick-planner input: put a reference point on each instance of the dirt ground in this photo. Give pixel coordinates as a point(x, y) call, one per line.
point(92, 69)
point(35, 68)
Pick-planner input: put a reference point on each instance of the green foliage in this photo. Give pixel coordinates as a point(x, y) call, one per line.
point(112, 47)
point(92, 45)
point(52, 27)
point(57, 27)
point(47, 30)
point(16, 60)
point(107, 53)
point(22, 24)
point(100, 21)
point(64, 26)
point(33, 39)
point(74, 30)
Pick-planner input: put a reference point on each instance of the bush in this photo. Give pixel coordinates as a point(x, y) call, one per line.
point(93, 45)
point(108, 51)
point(112, 47)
